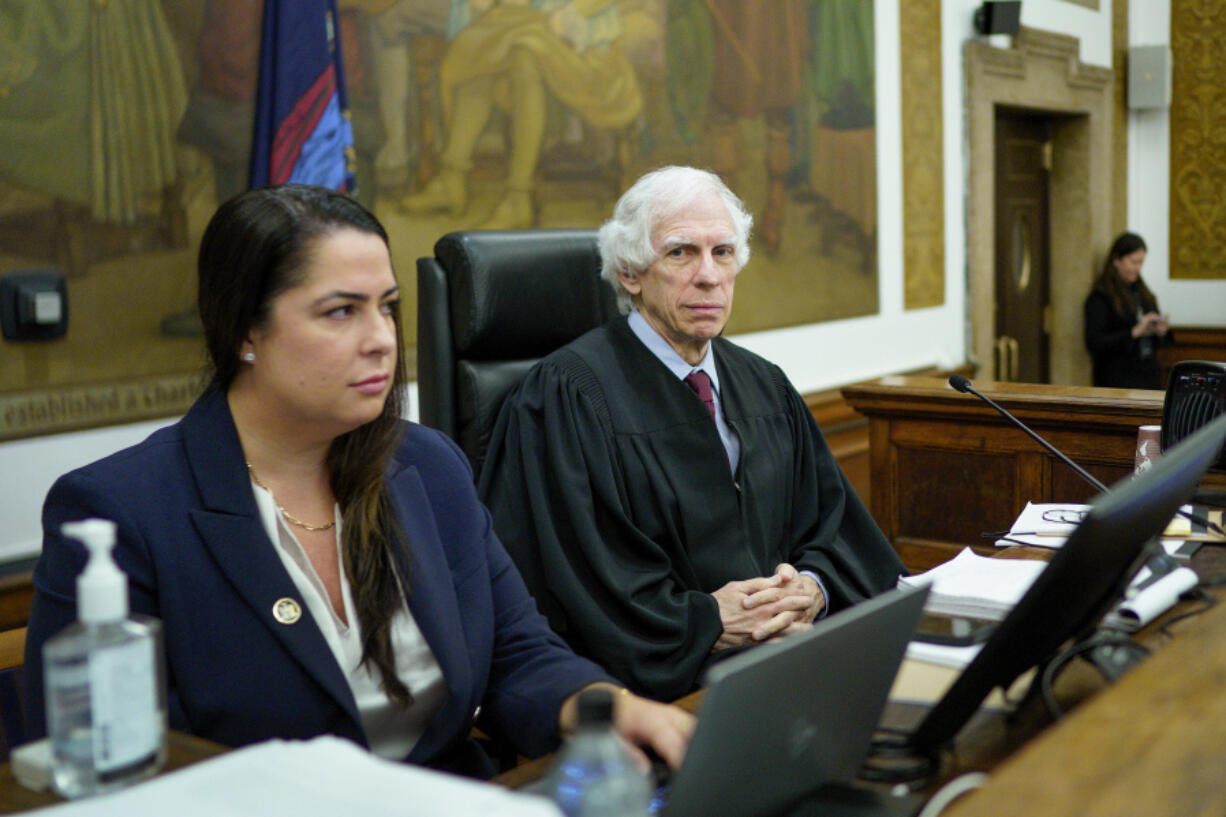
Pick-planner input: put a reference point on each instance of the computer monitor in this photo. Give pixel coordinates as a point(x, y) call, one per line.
point(1082, 582)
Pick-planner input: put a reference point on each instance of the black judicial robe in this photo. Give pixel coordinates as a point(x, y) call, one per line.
point(611, 490)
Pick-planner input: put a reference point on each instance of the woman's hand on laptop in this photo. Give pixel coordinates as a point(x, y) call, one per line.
point(663, 728)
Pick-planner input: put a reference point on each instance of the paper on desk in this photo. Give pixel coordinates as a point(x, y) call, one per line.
point(920, 681)
point(976, 586)
point(942, 654)
point(1030, 528)
point(1146, 604)
point(323, 777)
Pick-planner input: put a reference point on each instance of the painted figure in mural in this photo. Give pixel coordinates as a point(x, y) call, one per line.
point(760, 47)
point(396, 28)
point(90, 97)
point(801, 67)
point(509, 55)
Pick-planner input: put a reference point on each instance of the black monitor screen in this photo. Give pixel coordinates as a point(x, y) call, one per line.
point(1084, 579)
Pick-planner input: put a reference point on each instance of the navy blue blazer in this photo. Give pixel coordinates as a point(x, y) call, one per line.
point(199, 559)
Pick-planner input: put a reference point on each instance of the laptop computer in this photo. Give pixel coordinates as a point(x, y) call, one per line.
point(780, 720)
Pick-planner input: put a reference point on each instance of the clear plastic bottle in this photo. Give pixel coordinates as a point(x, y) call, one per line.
point(103, 679)
point(593, 776)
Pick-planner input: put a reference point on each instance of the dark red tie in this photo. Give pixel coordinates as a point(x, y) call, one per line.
point(701, 384)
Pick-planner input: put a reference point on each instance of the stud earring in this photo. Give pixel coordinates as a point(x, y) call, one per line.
point(249, 357)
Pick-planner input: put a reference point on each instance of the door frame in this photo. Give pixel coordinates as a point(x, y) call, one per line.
point(1041, 72)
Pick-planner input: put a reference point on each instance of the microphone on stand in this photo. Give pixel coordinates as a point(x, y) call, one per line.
point(960, 383)
point(1111, 655)
point(963, 385)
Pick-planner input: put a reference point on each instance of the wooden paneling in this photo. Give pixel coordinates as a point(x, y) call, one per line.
point(1193, 343)
point(16, 592)
point(946, 467)
point(983, 481)
point(847, 435)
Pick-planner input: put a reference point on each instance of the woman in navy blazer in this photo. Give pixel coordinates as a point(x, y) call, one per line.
point(301, 421)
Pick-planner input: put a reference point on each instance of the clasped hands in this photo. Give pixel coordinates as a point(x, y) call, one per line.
point(757, 610)
point(1151, 323)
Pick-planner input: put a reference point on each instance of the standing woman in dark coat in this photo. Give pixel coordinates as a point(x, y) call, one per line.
point(1123, 327)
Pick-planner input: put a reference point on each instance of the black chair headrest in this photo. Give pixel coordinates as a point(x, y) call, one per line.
point(505, 292)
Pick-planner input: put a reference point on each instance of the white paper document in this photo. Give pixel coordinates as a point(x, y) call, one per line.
point(942, 654)
point(1145, 600)
point(1044, 524)
point(974, 586)
point(1049, 524)
point(323, 777)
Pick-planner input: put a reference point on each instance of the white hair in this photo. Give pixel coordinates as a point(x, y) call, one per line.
point(625, 239)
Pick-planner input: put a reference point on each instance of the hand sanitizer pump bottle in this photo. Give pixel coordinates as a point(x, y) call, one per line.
point(103, 676)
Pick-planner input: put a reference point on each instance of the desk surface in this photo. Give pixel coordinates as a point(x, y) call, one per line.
point(1151, 744)
point(181, 750)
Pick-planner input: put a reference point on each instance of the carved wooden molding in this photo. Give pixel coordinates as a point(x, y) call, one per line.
point(53, 411)
point(1119, 104)
point(923, 182)
point(1198, 146)
point(1041, 72)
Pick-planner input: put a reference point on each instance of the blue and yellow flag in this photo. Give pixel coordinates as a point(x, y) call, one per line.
point(303, 133)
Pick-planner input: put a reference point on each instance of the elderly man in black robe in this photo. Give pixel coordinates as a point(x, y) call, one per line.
point(667, 494)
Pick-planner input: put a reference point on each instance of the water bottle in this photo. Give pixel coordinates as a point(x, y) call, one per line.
point(593, 775)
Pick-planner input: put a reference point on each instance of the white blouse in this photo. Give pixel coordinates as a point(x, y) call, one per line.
point(391, 731)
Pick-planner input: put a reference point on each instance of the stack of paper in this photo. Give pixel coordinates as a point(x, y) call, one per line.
point(324, 777)
point(973, 586)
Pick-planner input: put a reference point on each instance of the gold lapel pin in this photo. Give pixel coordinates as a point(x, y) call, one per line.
point(286, 610)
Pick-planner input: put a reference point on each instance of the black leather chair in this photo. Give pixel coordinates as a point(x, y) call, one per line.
point(1195, 397)
point(490, 304)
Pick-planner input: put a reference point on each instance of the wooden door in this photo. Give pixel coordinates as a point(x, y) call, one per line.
point(1023, 165)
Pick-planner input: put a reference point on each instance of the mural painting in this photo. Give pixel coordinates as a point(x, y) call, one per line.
point(124, 122)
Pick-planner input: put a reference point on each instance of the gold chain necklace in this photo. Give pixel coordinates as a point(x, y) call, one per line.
point(289, 516)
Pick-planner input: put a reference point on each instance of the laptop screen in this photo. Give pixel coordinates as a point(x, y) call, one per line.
point(779, 720)
point(1084, 579)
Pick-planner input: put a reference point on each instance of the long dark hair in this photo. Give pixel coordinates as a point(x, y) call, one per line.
point(1124, 298)
point(255, 248)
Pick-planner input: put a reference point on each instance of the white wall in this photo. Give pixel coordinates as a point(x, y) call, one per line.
point(1191, 303)
point(28, 467)
point(827, 355)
